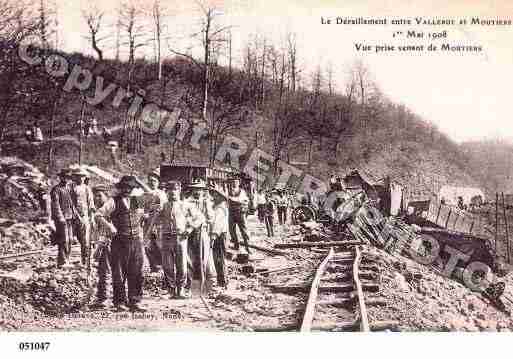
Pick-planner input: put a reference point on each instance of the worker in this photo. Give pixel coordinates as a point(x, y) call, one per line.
point(177, 219)
point(37, 134)
point(107, 135)
point(460, 203)
point(281, 206)
point(93, 128)
point(268, 212)
point(290, 203)
point(80, 128)
point(153, 196)
point(63, 212)
point(126, 213)
point(43, 197)
point(82, 197)
point(199, 240)
point(260, 202)
point(218, 233)
point(237, 207)
point(29, 135)
point(102, 253)
point(333, 181)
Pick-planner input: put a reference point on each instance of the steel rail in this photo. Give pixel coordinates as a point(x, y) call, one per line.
point(364, 320)
point(306, 325)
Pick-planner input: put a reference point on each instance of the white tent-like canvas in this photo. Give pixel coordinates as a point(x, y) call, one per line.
point(450, 194)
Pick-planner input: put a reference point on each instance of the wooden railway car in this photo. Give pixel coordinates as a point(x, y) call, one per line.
point(187, 173)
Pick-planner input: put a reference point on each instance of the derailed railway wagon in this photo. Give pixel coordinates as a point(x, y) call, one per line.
point(188, 173)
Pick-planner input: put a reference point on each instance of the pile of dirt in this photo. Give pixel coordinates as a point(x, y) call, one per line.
point(421, 299)
point(15, 315)
point(153, 283)
point(56, 291)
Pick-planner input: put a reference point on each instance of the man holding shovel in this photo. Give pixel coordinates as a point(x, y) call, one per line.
point(200, 241)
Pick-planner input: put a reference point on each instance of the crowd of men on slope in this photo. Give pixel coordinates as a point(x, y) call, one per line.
point(183, 235)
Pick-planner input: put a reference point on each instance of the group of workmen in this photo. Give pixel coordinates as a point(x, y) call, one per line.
point(266, 203)
point(182, 235)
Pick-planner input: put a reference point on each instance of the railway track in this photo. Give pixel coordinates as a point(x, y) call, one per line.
point(339, 282)
point(49, 251)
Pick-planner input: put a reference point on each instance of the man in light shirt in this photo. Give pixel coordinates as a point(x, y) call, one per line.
point(281, 206)
point(102, 252)
point(260, 204)
point(218, 232)
point(238, 202)
point(83, 200)
point(199, 240)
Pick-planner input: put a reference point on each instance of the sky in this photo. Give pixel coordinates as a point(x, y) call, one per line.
point(466, 94)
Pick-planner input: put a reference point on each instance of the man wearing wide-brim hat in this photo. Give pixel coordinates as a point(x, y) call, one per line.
point(63, 211)
point(126, 214)
point(199, 240)
point(83, 200)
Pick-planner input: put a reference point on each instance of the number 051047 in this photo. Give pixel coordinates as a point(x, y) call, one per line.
point(25, 346)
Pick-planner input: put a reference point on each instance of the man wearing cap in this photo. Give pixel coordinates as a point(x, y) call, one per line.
point(82, 197)
point(102, 252)
point(177, 219)
point(237, 204)
point(63, 211)
point(126, 213)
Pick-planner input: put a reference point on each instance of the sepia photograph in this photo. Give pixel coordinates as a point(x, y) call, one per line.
point(255, 166)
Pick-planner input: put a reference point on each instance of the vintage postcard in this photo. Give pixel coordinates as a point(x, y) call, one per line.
point(255, 166)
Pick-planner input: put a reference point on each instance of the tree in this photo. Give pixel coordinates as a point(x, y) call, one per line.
point(131, 22)
point(158, 13)
point(17, 20)
point(211, 34)
point(292, 59)
point(93, 17)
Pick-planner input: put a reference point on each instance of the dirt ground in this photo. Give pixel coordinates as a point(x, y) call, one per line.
point(409, 293)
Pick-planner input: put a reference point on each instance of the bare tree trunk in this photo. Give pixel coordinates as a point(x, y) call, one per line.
point(230, 54)
point(118, 40)
point(262, 77)
point(81, 130)
point(49, 165)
